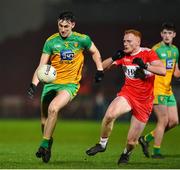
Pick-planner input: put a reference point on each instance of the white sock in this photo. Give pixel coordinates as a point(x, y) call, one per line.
point(103, 142)
point(126, 151)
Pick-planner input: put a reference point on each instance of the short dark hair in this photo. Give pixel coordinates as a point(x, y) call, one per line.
point(67, 15)
point(168, 26)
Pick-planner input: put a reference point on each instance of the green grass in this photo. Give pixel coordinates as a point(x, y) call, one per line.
point(19, 141)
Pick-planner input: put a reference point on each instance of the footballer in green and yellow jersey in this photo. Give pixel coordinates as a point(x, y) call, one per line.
point(66, 55)
point(165, 106)
point(64, 51)
point(169, 55)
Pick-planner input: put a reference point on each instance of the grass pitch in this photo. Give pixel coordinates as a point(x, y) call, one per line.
point(20, 139)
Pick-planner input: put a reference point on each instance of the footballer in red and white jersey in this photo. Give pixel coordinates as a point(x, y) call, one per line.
point(141, 90)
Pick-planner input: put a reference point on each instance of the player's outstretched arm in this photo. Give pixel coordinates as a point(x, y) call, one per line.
point(107, 63)
point(33, 85)
point(97, 59)
point(44, 60)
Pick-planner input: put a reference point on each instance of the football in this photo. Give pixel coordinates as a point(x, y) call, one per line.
point(46, 73)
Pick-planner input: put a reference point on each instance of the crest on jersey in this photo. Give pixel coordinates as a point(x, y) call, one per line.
point(162, 98)
point(75, 44)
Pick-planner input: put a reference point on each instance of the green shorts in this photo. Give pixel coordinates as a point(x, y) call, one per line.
point(165, 100)
point(50, 91)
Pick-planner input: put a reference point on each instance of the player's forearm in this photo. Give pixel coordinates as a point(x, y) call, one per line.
point(157, 69)
point(44, 60)
point(107, 63)
point(97, 59)
point(35, 80)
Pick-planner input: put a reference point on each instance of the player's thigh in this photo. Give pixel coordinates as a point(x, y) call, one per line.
point(135, 130)
point(161, 111)
point(172, 109)
point(46, 99)
point(61, 99)
point(118, 106)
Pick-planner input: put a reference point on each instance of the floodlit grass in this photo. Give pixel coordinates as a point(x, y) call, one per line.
point(19, 140)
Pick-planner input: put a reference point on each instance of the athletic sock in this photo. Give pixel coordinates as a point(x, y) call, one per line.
point(156, 150)
point(126, 151)
point(103, 142)
point(149, 137)
point(45, 143)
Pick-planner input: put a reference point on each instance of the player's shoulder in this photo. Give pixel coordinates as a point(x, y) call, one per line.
point(145, 49)
point(53, 36)
point(80, 35)
point(174, 46)
point(157, 46)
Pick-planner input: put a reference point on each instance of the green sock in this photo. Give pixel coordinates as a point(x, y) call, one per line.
point(149, 137)
point(156, 150)
point(45, 143)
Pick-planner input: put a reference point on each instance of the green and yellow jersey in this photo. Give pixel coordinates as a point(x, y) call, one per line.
point(168, 54)
point(66, 55)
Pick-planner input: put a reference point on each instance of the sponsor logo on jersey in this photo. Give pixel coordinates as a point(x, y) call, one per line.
point(130, 71)
point(66, 54)
point(57, 46)
point(163, 54)
point(169, 63)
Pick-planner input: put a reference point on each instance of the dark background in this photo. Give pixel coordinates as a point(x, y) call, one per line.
point(25, 25)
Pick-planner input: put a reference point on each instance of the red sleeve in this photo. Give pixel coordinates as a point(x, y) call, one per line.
point(118, 62)
point(152, 56)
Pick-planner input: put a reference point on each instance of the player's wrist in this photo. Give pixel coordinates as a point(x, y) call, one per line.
point(99, 76)
point(101, 70)
point(146, 66)
point(114, 58)
point(33, 86)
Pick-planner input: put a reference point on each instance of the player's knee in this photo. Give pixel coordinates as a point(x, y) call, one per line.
point(173, 123)
point(52, 112)
point(109, 118)
point(163, 121)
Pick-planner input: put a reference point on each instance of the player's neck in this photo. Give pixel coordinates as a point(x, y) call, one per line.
point(136, 51)
point(67, 36)
point(167, 44)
